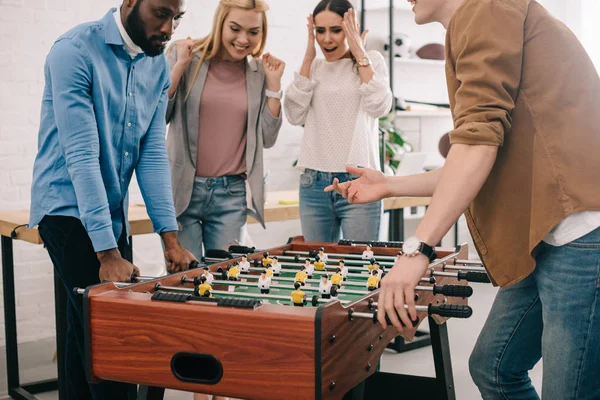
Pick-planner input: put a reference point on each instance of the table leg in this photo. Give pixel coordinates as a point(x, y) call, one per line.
point(60, 308)
point(15, 389)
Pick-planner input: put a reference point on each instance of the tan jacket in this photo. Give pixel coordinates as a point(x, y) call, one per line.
point(519, 79)
point(182, 138)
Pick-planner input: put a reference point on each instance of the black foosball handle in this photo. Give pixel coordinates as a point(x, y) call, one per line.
point(451, 310)
point(389, 322)
point(454, 290)
point(194, 264)
point(474, 276)
point(236, 249)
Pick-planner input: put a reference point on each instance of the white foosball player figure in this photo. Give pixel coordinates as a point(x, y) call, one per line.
point(209, 277)
point(325, 287)
point(244, 264)
point(343, 269)
point(323, 256)
point(264, 282)
point(310, 268)
point(276, 266)
point(368, 253)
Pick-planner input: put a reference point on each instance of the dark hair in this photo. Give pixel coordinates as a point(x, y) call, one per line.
point(340, 7)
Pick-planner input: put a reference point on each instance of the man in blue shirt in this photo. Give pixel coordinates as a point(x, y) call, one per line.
point(103, 117)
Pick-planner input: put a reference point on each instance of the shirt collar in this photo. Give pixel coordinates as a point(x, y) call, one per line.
point(130, 46)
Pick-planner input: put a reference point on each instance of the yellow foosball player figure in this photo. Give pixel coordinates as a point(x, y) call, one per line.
point(276, 266)
point(267, 260)
point(309, 268)
point(368, 253)
point(319, 264)
point(371, 264)
point(269, 271)
point(209, 277)
point(325, 287)
point(337, 278)
point(298, 296)
point(204, 288)
point(264, 282)
point(322, 255)
point(233, 273)
point(373, 281)
point(344, 269)
point(301, 276)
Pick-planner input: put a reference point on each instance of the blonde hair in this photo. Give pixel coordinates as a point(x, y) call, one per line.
point(210, 45)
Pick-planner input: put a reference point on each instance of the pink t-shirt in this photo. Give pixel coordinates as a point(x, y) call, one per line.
point(223, 120)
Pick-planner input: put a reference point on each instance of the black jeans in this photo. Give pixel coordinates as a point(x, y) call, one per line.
point(75, 262)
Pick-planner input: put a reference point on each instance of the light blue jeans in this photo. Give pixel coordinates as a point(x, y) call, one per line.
point(323, 214)
point(216, 214)
point(553, 314)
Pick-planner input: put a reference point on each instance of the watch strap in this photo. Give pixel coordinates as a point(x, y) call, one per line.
point(428, 251)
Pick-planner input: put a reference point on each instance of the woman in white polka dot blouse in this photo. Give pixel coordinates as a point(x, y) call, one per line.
point(339, 100)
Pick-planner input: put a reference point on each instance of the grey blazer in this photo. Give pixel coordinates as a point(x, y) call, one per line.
point(182, 137)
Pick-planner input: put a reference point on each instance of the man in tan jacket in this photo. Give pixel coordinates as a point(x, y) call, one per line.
point(523, 167)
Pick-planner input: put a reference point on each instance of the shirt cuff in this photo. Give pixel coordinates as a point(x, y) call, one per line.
point(165, 224)
point(103, 239)
point(303, 84)
point(374, 86)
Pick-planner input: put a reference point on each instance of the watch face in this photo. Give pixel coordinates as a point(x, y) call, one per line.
point(411, 245)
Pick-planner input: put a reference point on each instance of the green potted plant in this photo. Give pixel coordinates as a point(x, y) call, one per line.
point(394, 144)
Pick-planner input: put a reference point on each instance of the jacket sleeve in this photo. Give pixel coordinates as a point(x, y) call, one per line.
point(171, 60)
point(486, 48)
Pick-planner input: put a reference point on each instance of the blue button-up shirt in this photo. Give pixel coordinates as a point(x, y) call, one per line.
point(103, 117)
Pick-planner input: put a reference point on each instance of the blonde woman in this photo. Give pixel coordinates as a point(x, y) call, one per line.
point(224, 108)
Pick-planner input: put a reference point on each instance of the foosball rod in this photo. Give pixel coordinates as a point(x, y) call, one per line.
point(317, 281)
point(136, 279)
point(360, 266)
point(446, 290)
point(443, 310)
point(359, 257)
point(245, 294)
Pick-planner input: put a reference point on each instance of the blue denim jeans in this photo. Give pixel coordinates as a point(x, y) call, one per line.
point(323, 214)
point(552, 314)
point(216, 214)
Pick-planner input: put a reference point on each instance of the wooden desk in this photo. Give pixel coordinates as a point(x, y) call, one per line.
point(140, 222)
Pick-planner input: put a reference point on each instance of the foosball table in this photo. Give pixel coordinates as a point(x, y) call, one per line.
point(262, 329)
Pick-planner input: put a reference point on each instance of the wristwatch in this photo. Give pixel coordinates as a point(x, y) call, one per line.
point(363, 61)
point(414, 246)
point(275, 95)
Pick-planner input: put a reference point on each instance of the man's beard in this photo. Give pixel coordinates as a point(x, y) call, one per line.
point(138, 35)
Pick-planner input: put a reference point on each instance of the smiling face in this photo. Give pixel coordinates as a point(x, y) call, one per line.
point(330, 35)
point(242, 32)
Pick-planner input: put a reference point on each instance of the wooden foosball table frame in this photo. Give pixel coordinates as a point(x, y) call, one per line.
point(251, 350)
